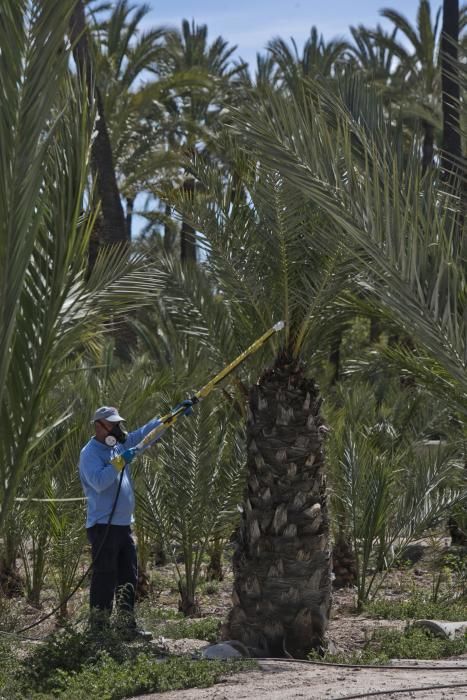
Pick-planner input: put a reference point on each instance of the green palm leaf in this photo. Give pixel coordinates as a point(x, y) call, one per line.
point(401, 229)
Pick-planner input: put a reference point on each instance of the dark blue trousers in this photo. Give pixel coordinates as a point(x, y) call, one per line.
point(115, 568)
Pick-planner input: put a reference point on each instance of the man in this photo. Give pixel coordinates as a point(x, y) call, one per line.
point(115, 570)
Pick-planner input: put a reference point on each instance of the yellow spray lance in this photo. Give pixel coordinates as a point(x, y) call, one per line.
point(166, 422)
point(171, 418)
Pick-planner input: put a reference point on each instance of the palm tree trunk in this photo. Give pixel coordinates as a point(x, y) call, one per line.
point(168, 230)
point(451, 151)
point(452, 162)
point(187, 234)
point(375, 330)
point(343, 563)
point(428, 145)
point(113, 220)
point(282, 566)
point(129, 216)
point(111, 228)
point(214, 571)
point(335, 357)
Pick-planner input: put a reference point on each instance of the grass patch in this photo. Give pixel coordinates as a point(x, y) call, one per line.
point(411, 643)
point(418, 607)
point(209, 587)
point(174, 625)
point(206, 628)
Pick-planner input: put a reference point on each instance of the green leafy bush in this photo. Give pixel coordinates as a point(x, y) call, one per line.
point(415, 643)
point(203, 628)
point(418, 607)
point(411, 643)
point(110, 680)
point(68, 651)
point(76, 665)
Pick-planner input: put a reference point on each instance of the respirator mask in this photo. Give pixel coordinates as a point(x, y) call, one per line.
point(117, 434)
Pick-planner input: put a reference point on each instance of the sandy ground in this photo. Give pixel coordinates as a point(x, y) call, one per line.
point(282, 680)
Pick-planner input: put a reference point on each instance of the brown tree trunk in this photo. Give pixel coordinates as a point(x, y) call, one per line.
point(375, 330)
point(282, 564)
point(113, 221)
point(335, 357)
point(450, 90)
point(428, 145)
point(129, 216)
point(187, 233)
point(214, 571)
point(112, 228)
point(344, 566)
point(187, 603)
point(169, 236)
point(452, 161)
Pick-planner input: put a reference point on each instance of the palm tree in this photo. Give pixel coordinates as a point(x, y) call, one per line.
point(49, 311)
point(209, 69)
point(417, 76)
point(450, 86)
point(123, 55)
point(318, 57)
point(191, 490)
point(398, 221)
point(113, 228)
point(373, 53)
point(266, 73)
point(262, 259)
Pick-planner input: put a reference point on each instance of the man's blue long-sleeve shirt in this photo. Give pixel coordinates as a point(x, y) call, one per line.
point(100, 479)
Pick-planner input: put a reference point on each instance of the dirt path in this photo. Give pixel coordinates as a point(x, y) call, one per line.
point(282, 680)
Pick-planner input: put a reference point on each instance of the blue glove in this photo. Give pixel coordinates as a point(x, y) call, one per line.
point(189, 407)
point(130, 454)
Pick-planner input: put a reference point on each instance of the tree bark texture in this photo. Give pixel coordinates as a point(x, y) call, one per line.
point(343, 564)
point(282, 566)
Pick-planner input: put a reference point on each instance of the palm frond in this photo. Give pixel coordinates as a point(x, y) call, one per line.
point(398, 224)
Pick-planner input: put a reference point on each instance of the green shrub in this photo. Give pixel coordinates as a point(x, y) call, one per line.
point(411, 643)
point(9, 667)
point(78, 665)
point(209, 587)
point(68, 651)
point(109, 680)
point(203, 628)
point(418, 607)
point(415, 643)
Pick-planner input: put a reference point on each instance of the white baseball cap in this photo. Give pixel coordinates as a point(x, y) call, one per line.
point(109, 413)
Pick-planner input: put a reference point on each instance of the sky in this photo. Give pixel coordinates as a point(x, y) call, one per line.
point(250, 24)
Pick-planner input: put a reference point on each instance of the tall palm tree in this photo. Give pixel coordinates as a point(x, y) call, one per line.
point(49, 311)
point(417, 77)
point(263, 261)
point(450, 86)
point(319, 58)
point(373, 53)
point(188, 53)
point(113, 228)
point(123, 56)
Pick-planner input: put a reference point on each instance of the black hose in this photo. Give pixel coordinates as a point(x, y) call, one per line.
point(382, 667)
point(412, 689)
